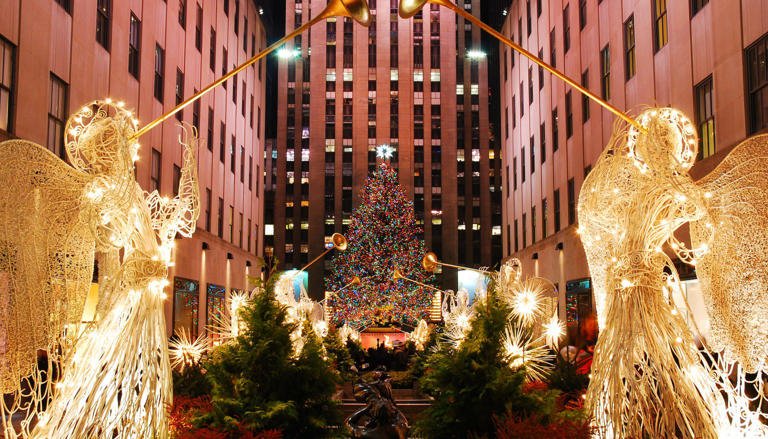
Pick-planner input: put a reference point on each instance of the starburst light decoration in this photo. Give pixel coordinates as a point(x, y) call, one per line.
point(521, 351)
point(185, 352)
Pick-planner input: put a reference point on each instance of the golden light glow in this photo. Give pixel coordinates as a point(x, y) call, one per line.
point(692, 393)
point(554, 330)
point(520, 351)
point(185, 352)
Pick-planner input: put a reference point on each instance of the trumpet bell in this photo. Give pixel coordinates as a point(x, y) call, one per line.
point(355, 281)
point(429, 262)
point(397, 274)
point(355, 9)
point(339, 242)
point(409, 8)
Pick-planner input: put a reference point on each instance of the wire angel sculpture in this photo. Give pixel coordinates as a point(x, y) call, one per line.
point(114, 378)
point(648, 377)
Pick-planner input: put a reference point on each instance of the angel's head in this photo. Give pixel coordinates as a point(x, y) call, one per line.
point(99, 139)
point(667, 143)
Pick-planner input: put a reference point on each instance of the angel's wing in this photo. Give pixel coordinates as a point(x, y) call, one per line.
point(46, 254)
point(734, 272)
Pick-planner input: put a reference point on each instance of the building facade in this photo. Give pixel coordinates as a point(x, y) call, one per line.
point(704, 57)
point(419, 86)
point(57, 55)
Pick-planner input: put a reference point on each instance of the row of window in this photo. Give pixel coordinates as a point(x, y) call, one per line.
point(520, 244)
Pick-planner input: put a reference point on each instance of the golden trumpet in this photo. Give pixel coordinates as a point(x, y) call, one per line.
point(355, 281)
point(339, 243)
point(409, 8)
point(354, 9)
point(397, 274)
point(430, 263)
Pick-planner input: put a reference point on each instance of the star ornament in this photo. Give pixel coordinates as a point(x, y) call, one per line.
point(384, 152)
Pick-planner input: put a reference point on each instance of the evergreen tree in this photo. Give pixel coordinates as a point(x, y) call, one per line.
point(258, 383)
point(383, 236)
point(474, 384)
point(337, 352)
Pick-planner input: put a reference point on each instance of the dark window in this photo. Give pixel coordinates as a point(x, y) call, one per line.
point(660, 30)
point(522, 165)
point(242, 101)
point(525, 226)
point(183, 13)
point(252, 116)
point(533, 154)
point(584, 98)
point(605, 72)
point(552, 48)
point(226, 8)
point(696, 6)
point(556, 210)
point(566, 29)
point(555, 131)
point(757, 84)
point(66, 5)
point(237, 18)
point(582, 13)
point(210, 129)
point(222, 141)
point(543, 142)
point(571, 202)
point(533, 224)
point(220, 219)
point(514, 173)
point(208, 202)
point(234, 90)
point(199, 29)
point(568, 115)
point(543, 218)
point(212, 59)
point(506, 124)
point(7, 83)
point(57, 115)
point(538, 8)
point(245, 35)
point(541, 70)
point(517, 241)
point(134, 46)
point(224, 64)
point(530, 85)
point(242, 164)
point(528, 17)
point(196, 113)
point(629, 47)
point(103, 22)
point(176, 179)
point(705, 117)
point(232, 155)
point(159, 72)
point(154, 166)
point(179, 92)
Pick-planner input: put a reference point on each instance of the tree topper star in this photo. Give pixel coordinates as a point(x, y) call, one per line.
point(384, 152)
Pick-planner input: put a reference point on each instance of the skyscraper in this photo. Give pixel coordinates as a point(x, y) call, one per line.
point(419, 86)
point(60, 54)
point(704, 57)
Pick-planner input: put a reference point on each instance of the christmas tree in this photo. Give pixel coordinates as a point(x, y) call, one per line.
point(383, 236)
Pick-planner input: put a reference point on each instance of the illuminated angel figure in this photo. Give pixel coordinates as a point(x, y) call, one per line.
point(648, 379)
point(53, 219)
point(117, 383)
